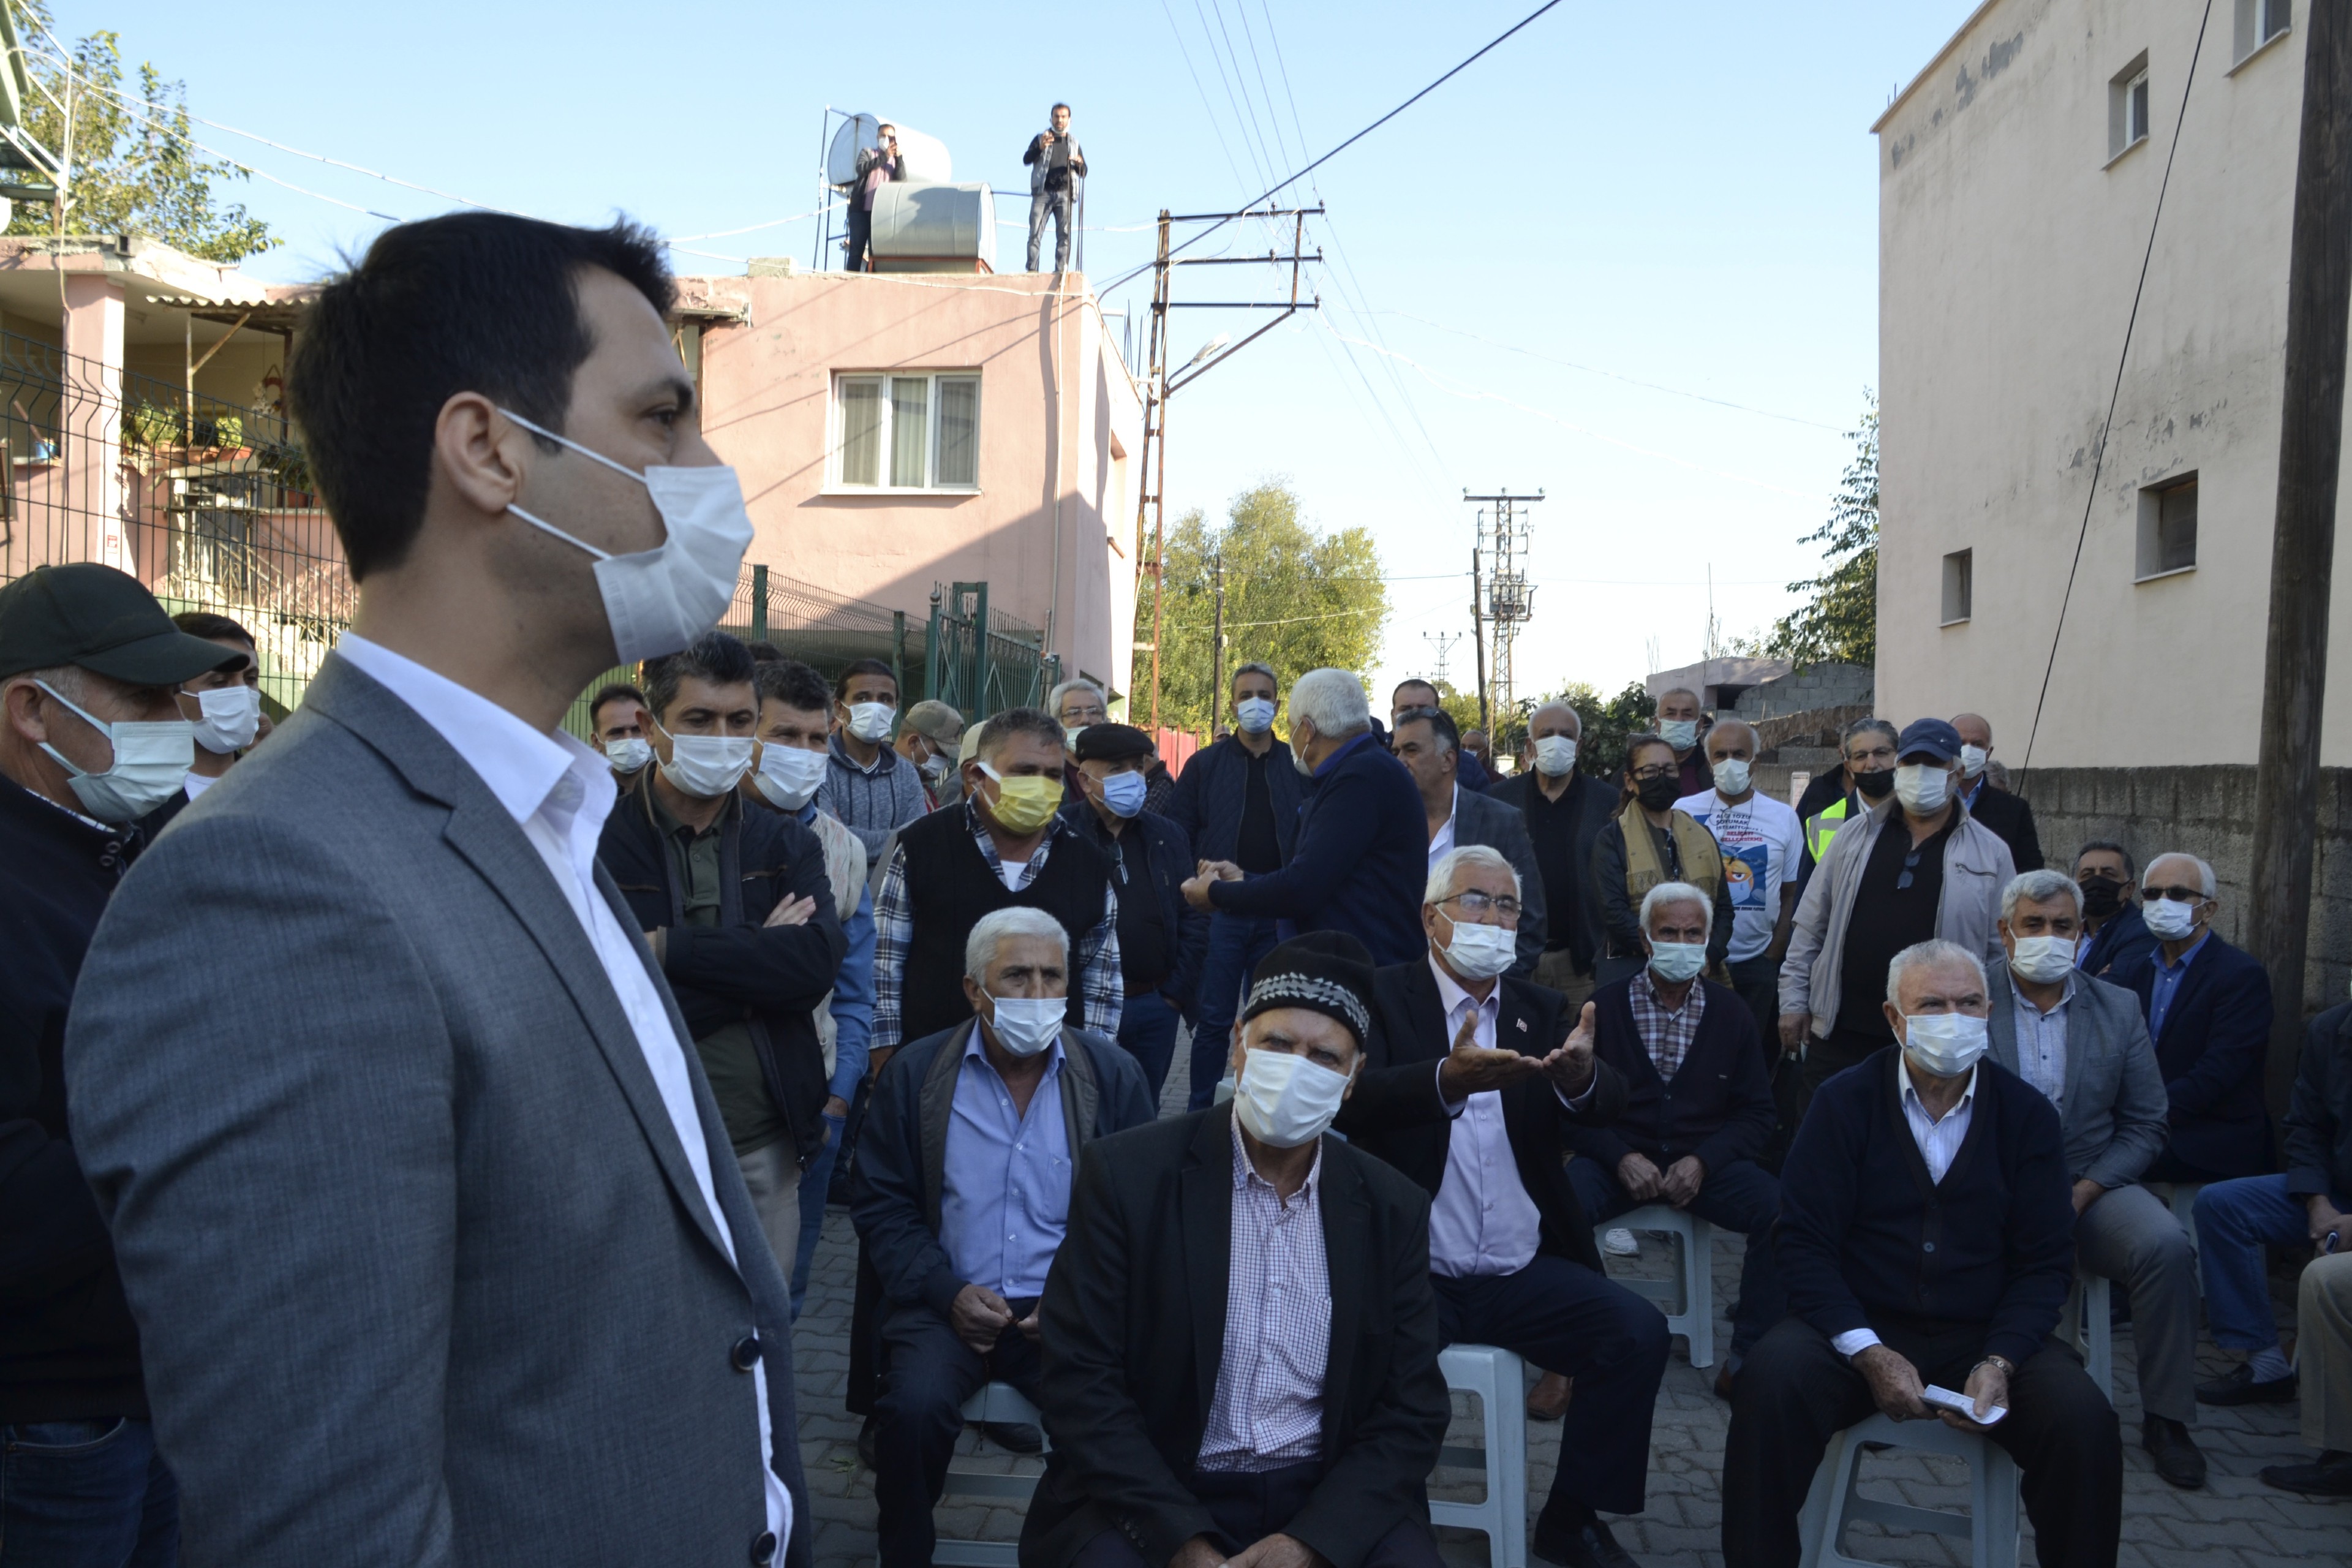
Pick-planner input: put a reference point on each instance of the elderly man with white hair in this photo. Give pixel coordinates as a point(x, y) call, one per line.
point(2082, 1043)
point(1363, 848)
point(1925, 1243)
point(963, 1197)
point(1469, 1080)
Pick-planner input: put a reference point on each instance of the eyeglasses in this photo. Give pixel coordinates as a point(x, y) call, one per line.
point(2177, 895)
point(1643, 775)
point(1477, 903)
point(1910, 864)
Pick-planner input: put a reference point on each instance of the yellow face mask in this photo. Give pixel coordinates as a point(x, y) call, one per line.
point(1024, 804)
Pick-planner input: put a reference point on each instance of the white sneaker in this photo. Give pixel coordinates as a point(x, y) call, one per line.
point(1619, 1243)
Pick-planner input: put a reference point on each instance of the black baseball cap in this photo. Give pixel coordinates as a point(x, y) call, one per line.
point(102, 620)
point(1935, 737)
point(1112, 744)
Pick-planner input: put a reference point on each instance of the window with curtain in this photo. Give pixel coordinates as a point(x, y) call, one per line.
point(902, 432)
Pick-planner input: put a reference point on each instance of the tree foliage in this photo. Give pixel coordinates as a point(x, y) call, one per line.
point(133, 167)
point(1838, 620)
point(1295, 598)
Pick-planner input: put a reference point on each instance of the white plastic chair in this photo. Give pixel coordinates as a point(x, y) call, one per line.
point(2094, 1331)
point(997, 1403)
point(1688, 1300)
point(1836, 1501)
point(1499, 1380)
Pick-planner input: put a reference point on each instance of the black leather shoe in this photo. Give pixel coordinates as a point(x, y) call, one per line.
point(2176, 1458)
point(866, 1443)
point(1578, 1543)
point(2239, 1387)
point(2331, 1476)
point(1015, 1437)
point(1725, 1376)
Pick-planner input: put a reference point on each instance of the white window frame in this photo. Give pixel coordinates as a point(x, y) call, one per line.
point(1958, 588)
point(834, 484)
point(2246, 32)
point(2121, 135)
point(2148, 564)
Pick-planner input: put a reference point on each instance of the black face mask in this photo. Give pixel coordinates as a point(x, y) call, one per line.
point(1877, 786)
point(2101, 896)
point(1657, 795)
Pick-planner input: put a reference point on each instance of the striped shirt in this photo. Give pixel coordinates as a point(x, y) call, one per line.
point(1667, 1037)
point(1268, 1408)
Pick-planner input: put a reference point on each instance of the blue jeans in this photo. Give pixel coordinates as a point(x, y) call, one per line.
point(1147, 1029)
point(86, 1494)
point(814, 1183)
point(1742, 1196)
point(1237, 944)
point(2234, 1221)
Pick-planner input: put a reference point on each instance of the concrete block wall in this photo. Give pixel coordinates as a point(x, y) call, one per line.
point(1817, 686)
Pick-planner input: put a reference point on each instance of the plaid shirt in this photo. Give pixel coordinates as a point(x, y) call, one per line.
point(1667, 1037)
point(1099, 982)
point(1267, 1411)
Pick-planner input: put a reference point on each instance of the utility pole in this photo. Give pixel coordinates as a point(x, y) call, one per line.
point(1444, 643)
point(1217, 652)
point(1160, 383)
point(1478, 636)
point(2303, 537)
point(1509, 601)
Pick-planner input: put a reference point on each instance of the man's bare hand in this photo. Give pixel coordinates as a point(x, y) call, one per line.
point(1196, 891)
point(1222, 871)
point(980, 1317)
point(1570, 1066)
point(1197, 1553)
point(1470, 1069)
point(1794, 1026)
point(2325, 1217)
point(1682, 1181)
point(1989, 1386)
point(791, 913)
point(1029, 1326)
point(1275, 1551)
point(1640, 1178)
point(2086, 1193)
point(1895, 1385)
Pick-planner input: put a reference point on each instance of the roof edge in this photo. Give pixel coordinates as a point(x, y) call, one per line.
point(1931, 67)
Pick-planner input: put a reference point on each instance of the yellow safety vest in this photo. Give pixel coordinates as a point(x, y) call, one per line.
point(1819, 829)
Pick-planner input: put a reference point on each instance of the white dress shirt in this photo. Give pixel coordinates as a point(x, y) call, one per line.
point(2042, 1042)
point(559, 792)
point(1939, 1143)
point(196, 784)
point(1444, 843)
point(1483, 1223)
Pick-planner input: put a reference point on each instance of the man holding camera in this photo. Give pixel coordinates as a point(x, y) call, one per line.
point(1058, 179)
point(876, 165)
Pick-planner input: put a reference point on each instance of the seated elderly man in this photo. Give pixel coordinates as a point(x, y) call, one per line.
point(963, 1189)
point(1469, 1079)
point(2081, 1041)
point(2323, 1349)
point(1924, 1239)
point(1240, 1339)
point(1698, 1106)
point(2207, 1006)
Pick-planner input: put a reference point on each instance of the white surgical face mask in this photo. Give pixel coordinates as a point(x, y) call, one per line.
point(1675, 962)
point(789, 775)
point(1731, 777)
point(1298, 752)
point(1555, 755)
point(628, 754)
point(935, 766)
point(232, 717)
point(1682, 734)
point(1923, 786)
point(707, 766)
point(1943, 1044)
point(1479, 951)
point(1284, 1100)
point(151, 760)
point(1973, 760)
point(658, 601)
point(1070, 733)
point(1027, 1025)
point(1256, 714)
point(1124, 792)
point(871, 721)
point(2168, 921)
point(2043, 958)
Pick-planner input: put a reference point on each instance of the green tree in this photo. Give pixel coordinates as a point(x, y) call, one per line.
point(132, 168)
point(1840, 619)
point(1296, 598)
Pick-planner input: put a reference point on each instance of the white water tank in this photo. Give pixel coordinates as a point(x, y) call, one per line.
point(934, 228)
point(924, 157)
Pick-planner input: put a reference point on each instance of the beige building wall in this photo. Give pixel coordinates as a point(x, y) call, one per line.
point(2011, 241)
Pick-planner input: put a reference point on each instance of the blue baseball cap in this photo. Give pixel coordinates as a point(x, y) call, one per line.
point(1935, 737)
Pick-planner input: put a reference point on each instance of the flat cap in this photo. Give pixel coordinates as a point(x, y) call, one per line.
point(1112, 744)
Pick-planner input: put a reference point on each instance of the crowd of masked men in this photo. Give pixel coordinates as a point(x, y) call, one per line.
point(1448, 1030)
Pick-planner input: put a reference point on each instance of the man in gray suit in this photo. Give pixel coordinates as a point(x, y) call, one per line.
point(2082, 1043)
point(1428, 743)
point(434, 1250)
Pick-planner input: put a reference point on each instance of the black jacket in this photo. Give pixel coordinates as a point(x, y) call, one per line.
point(1213, 788)
point(68, 1349)
point(741, 970)
point(1396, 1113)
point(2319, 1111)
point(1593, 803)
point(1718, 1105)
point(1622, 914)
point(1134, 1327)
point(2011, 817)
point(902, 1150)
point(1170, 856)
point(2121, 946)
point(2216, 1033)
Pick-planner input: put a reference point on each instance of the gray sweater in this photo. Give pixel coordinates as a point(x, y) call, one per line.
point(872, 803)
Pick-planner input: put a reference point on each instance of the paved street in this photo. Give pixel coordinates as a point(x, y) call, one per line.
point(2234, 1522)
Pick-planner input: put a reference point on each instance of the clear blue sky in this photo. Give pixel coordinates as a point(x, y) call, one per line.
point(1617, 195)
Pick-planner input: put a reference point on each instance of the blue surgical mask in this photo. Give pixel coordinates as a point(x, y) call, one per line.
point(1256, 714)
point(1124, 792)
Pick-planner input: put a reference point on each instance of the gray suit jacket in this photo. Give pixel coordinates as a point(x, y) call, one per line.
point(422, 1274)
point(1481, 819)
point(2115, 1110)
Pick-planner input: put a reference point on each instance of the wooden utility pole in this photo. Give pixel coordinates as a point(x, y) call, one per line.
point(2303, 538)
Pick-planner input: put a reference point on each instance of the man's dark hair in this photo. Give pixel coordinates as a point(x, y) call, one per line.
point(2131, 866)
point(1868, 727)
point(791, 683)
point(1416, 680)
point(1447, 733)
point(1049, 113)
point(1001, 727)
point(766, 653)
point(714, 657)
point(471, 301)
point(619, 691)
point(863, 666)
point(204, 624)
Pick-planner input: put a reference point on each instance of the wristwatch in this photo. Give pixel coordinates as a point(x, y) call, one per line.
point(2007, 1367)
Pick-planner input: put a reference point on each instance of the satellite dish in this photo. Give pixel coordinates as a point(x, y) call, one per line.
point(926, 157)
